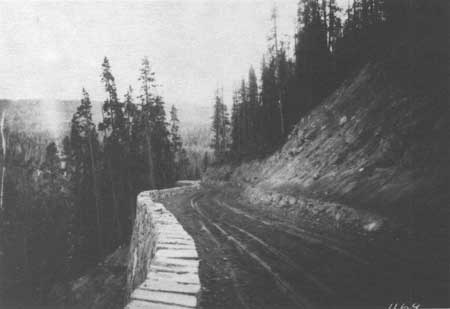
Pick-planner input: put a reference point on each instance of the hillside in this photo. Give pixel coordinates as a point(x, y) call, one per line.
point(54, 116)
point(375, 145)
point(372, 162)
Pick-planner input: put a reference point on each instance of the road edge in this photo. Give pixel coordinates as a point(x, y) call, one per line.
point(163, 260)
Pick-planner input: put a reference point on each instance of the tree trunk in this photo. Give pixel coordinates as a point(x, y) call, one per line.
point(97, 198)
point(2, 132)
point(115, 202)
point(26, 261)
point(148, 140)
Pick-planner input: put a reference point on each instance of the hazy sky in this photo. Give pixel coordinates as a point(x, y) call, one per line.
point(52, 49)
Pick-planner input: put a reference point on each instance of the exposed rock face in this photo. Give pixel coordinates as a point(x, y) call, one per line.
point(298, 206)
point(375, 144)
point(163, 263)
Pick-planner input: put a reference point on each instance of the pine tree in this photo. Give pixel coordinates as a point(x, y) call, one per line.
point(276, 56)
point(236, 140)
point(220, 128)
point(243, 118)
point(205, 161)
point(285, 74)
point(151, 129)
point(253, 112)
point(174, 130)
point(50, 224)
point(312, 54)
point(84, 151)
point(183, 165)
point(130, 167)
point(270, 120)
point(161, 146)
point(114, 132)
point(130, 112)
point(113, 124)
point(179, 168)
point(145, 120)
point(334, 25)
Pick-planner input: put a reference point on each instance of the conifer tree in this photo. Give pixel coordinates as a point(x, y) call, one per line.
point(243, 118)
point(84, 153)
point(205, 161)
point(50, 224)
point(276, 56)
point(114, 132)
point(151, 130)
point(220, 128)
point(270, 119)
point(174, 130)
point(130, 112)
point(161, 145)
point(253, 112)
point(178, 153)
point(236, 139)
point(145, 121)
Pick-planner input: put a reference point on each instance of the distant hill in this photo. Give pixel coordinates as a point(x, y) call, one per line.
point(194, 115)
point(53, 118)
point(42, 116)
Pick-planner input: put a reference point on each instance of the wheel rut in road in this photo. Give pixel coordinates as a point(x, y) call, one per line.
point(244, 249)
point(228, 268)
point(330, 243)
point(251, 261)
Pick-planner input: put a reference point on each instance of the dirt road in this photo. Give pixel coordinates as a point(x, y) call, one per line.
point(250, 260)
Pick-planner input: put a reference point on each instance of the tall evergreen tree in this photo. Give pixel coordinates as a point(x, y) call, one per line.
point(220, 128)
point(151, 130)
point(50, 225)
point(161, 145)
point(205, 161)
point(270, 119)
point(84, 152)
point(175, 130)
point(236, 138)
point(130, 112)
point(243, 118)
point(275, 51)
point(144, 123)
point(114, 131)
point(312, 54)
point(253, 112)
point(179, 153)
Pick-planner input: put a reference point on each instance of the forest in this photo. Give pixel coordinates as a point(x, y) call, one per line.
point(70, 203)
point(331, 44)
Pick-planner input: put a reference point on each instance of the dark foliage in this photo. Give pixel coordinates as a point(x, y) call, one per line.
point(407, 36)
point(67, 209)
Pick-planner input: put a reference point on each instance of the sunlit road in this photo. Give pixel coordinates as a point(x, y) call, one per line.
point(250, 261)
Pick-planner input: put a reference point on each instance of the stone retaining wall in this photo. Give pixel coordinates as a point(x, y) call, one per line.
point(163, 263)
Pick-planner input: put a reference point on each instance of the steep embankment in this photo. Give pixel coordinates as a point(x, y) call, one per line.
point(103, 286)
point(376, 145)
point(159, 268)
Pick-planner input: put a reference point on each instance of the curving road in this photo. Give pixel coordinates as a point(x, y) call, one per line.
point(250, 260)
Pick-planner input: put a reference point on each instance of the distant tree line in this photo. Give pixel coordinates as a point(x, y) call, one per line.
point(196, 142)
point(330, 45)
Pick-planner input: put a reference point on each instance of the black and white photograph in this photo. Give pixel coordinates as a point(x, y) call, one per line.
point(224, 154)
